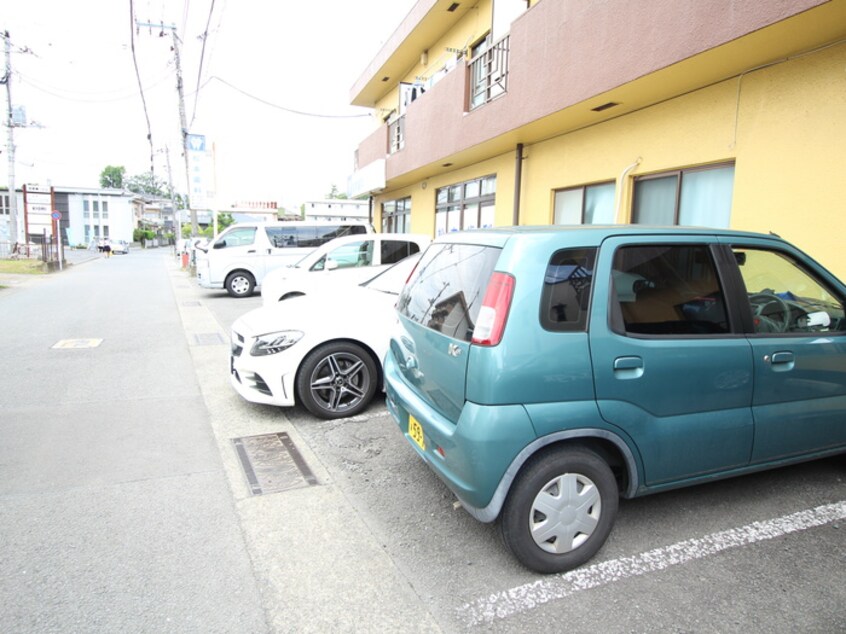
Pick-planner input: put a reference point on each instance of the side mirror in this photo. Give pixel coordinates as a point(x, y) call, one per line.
point(331, 265)
point(220, 244)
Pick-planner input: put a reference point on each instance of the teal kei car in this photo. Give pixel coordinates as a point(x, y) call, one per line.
point(543, 372)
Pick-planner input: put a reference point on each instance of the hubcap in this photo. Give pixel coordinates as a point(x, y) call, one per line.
point(240, 285)
point(339, 382)
point(565, 513)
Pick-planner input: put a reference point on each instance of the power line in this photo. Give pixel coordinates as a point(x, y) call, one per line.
point(200, 69)
point(140, 86)
point(79, 98)
point(278, 107)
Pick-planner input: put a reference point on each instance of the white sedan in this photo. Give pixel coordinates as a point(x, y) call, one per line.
point(348, 259)
point(323, 350)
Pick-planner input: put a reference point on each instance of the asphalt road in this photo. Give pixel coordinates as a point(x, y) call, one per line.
point(375, 545)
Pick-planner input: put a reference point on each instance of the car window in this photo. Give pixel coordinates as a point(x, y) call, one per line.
point(446, 290)
point(785, 297)
point(359, 253)
point(283, 237)
point(669, 290)
point(325, 233)
point(395, 250)
point(243, 236)
point(566, 290)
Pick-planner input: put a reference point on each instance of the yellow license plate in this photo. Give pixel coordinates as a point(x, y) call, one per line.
point(416, 432)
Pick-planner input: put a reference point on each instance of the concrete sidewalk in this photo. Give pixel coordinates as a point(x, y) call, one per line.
point(319, 563)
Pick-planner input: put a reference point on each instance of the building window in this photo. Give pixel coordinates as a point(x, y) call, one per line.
point(86, 210)
point(587, 205)
point(105, 209)
point(468, 205)
point(693, 197)
point(5, 204)
point(396, 216)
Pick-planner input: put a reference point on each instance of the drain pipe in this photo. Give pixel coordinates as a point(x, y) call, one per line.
point(518, 181)
point(620, 183)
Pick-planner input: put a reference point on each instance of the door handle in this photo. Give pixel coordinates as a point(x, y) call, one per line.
point(251, 251)
point(783, 360)
point(628, 367)
point(628, 363)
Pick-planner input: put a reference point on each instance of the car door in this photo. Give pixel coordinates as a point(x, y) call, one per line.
point(798, 339)
point(236, 249)
point(670, 368)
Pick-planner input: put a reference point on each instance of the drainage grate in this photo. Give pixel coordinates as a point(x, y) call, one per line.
point(77, 344)
point(209, 339)
point(272, 463)
point(191, 302)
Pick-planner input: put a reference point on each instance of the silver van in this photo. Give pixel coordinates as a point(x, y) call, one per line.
point(239, 258)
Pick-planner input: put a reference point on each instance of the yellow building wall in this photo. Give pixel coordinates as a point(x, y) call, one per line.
point(784, 126)
point(791, 143)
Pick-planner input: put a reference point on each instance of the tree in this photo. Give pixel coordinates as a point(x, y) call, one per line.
point(334, 193)
point(112, 177)
point(147, 183)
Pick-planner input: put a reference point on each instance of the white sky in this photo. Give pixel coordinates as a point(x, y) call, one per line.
point(79, 82)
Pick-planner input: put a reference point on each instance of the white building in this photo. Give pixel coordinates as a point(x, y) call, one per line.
point(337, 209)
point(86, 214)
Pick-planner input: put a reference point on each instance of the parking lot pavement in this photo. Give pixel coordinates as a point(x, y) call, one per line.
point(761, 553)
point(319, 564)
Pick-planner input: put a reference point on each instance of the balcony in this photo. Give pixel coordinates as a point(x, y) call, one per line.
point(489, 74)
point(396, 135)
point(551, 75)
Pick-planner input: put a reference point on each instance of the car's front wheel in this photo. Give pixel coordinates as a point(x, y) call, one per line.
point(337, 380)
point(240, 284)
point(560, 510)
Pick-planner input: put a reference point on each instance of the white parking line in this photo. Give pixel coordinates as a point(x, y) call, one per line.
point(531, 595)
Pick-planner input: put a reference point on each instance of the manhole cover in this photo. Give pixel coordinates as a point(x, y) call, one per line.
point(77, 344)
point(208, 339)
point(272, 463)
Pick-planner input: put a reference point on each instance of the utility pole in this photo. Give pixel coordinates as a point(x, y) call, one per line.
point(10, 146)
point(183, 122)
point(177, 216)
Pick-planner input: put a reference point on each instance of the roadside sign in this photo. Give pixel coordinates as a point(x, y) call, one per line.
point(57, 215)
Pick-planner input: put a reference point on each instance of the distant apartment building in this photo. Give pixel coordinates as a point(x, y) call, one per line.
point(86, 214)
point(337, 209)
point(723, 113)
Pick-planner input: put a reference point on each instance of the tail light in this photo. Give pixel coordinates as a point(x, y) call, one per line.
point(493, 314)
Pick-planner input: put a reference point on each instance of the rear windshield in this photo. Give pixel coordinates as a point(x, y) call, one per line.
point(447, 288)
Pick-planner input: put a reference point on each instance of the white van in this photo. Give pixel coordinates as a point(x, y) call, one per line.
point(239, 258)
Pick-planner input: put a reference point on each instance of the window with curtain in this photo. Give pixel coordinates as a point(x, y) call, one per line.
point(693, 197)
point(396, 216)
point(586, 205)
point(468, 205)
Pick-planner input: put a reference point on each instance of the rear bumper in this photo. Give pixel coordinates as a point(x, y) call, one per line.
point(471, 455)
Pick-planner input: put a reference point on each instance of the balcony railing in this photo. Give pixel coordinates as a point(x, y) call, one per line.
point(489, 74)
point(396, 135)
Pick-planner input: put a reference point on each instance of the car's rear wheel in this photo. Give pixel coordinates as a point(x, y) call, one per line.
point(560, 510)
point(240, 284)
point(337, 380)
